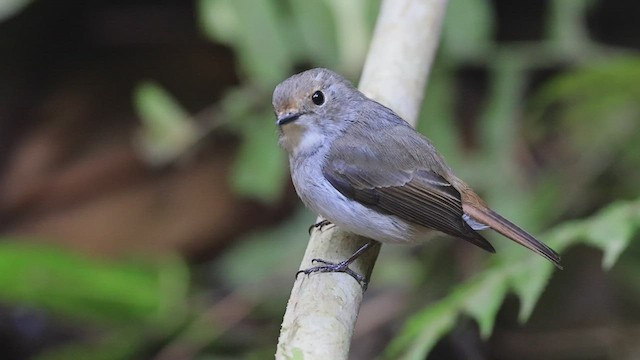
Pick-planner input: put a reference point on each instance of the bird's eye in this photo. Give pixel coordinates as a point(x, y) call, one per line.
point(318, 98)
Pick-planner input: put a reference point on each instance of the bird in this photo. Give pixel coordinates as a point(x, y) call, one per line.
point(361, 167)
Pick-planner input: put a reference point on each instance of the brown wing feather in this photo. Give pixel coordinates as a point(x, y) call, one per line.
point(419, 196)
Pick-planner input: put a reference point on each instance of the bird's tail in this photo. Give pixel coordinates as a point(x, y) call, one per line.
point(510, 230)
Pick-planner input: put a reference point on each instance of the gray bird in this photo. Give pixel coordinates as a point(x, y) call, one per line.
point(359, 165)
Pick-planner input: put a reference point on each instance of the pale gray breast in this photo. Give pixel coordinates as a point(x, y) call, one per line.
point(317, 193)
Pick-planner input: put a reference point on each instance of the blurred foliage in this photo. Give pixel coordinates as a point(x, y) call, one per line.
point(467, 29)
point(260, 278)
point(577, 131)
point(260, 168)
point(106, 292)
point(594, 109)
point(138, 300)
point(264, 54)
point(168, 130)
point(242, 264)
point(480, 297)
point(270, 39)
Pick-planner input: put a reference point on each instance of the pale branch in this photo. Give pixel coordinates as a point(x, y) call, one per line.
point(323, 307)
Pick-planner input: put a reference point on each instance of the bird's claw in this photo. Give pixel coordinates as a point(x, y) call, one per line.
point(319, 225)
point(342, 267)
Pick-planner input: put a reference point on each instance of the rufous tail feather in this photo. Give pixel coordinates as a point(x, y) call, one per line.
point(511, 231)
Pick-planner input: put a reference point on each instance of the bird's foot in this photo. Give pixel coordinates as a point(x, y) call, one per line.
point(319, 225)
point(341, 267)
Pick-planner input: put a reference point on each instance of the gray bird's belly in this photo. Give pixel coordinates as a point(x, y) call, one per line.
point(321, 197)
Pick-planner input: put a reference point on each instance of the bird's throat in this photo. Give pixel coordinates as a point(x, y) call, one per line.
point(296, 139)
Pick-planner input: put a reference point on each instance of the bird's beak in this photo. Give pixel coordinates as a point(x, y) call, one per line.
point(287, 118)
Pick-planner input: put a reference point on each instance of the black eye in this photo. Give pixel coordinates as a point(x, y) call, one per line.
point(318, 98)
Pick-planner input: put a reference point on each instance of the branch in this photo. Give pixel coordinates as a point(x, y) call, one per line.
point(322, 309)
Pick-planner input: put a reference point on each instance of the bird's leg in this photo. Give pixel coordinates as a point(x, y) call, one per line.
point(342, 267)
point(319, 225)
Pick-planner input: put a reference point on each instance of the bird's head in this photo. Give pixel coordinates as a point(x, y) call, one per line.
point(312, 108)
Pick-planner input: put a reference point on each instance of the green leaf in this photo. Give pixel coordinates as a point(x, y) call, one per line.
point(468, 28)
point(423, 330)
point(219, 20)
point(353, 32)
point(566, 27)
point(611, 230)
point(85, 288)
point(484, 300)
point(167, 129)
point(260, 167)
point(599, 87)
point(529, 285)
point(317, 32)
point(158, 109)
point(257, 32)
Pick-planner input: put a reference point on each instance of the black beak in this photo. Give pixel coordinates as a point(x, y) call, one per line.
point(287, 119)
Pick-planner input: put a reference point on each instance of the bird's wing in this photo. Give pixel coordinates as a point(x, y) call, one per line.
point(404, 185)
